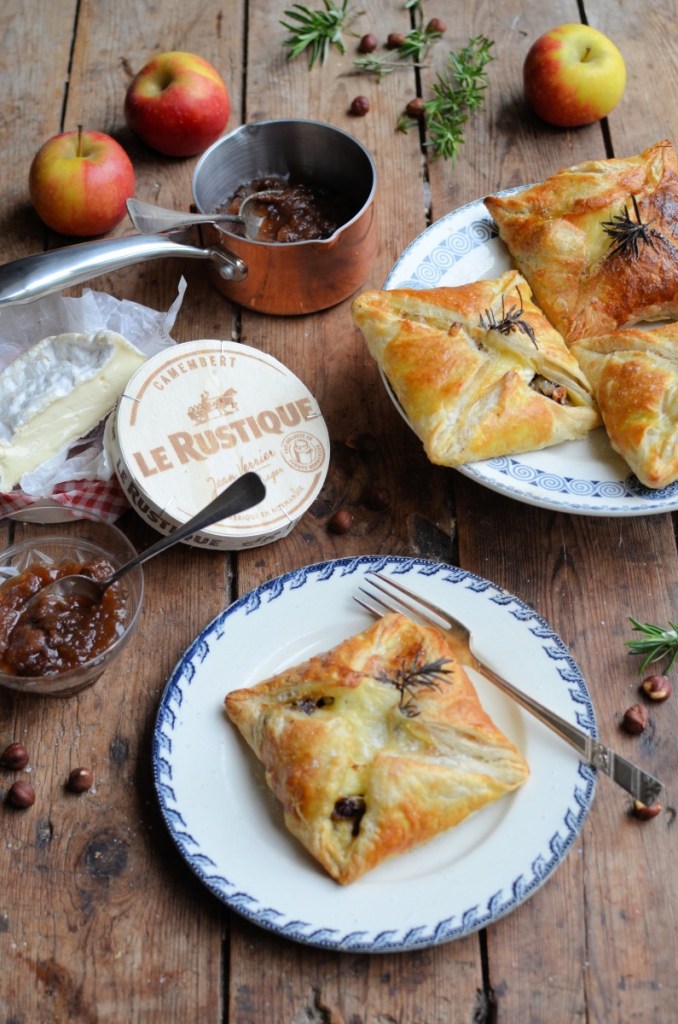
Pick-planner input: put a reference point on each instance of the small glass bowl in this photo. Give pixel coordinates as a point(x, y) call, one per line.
point(86, 540)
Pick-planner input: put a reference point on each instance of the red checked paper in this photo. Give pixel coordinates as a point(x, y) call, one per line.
point(103, 501)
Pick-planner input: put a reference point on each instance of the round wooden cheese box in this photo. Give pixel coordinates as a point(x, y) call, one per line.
point(195, 417)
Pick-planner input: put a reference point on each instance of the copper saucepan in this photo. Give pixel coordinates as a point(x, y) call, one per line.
point(292, 277)
point(270, 277)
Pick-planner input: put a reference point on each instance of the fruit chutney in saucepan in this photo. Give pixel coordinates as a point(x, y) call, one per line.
point(290, 212)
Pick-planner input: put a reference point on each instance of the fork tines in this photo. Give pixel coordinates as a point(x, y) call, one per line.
point(402, 600)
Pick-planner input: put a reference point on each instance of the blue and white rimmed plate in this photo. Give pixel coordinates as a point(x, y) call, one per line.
point(585, 477)
point(229, 828)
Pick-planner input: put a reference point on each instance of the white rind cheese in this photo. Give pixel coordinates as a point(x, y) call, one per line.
point(56, 392)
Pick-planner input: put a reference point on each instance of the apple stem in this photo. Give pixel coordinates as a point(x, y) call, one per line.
point(79, 149)
point(587, 54)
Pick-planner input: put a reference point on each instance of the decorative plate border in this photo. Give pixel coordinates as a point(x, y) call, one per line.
point(455, 925)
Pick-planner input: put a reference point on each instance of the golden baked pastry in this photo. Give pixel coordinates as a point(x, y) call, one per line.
point(478, 369)
point(598, 241)
point(634, 375)
point(376, 746)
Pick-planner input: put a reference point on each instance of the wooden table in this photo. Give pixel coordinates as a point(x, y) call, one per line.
point(100, 918)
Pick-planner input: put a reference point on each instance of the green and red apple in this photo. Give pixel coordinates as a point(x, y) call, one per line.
point(573, 75)
point(178, 104)
point(79, 182)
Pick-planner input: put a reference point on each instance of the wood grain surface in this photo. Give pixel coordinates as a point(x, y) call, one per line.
point(101, 921)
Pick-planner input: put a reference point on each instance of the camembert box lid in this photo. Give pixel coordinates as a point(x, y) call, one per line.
point(194, 418)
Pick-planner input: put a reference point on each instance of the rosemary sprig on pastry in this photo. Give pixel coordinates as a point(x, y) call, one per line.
point(509, 320)
point(655, 644)
point(628, 234)
point(408, 680)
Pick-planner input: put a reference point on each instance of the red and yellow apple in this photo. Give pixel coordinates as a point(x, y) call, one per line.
point(79, 182)
point(178, 104)
point(573, 75)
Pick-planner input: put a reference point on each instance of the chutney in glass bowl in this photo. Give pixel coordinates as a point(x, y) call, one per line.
point(58, 647)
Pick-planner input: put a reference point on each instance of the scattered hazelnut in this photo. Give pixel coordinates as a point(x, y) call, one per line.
point(656, 687)
point(15, 757)
point(635, 719)
point(436, 25)
point(377, 498)
point(360, 106)
point(21, 794)
point(395, 39)
point(80, 780)
point(341, 521)
point(415, 108)
point(645, 811)
point(368, 43)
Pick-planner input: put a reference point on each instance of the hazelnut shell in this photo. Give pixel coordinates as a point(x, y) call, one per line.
point(657, 687)
point(80, 780)
point(21, 794)
point(15, 757)
point(644, 811)
point(635, 719)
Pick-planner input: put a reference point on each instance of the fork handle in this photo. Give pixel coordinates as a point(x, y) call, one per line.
point(634, 780)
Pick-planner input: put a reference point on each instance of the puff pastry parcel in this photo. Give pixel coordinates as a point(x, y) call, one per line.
point(478, 369)
point(598, 241)
point(634, 374)
point(376, 746)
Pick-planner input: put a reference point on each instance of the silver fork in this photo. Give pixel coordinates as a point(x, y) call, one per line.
point(393, 596)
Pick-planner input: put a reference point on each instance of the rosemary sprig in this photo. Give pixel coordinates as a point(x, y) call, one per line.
point(627, 234)
point(408, 680)
point(378, 66)
point(656, 643)
point(315, 30)
point(457, 94)
point(509, 320)
point(417, 43)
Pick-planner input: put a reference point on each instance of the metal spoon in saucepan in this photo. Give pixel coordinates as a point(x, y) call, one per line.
point(150, 219)
point(243, 493)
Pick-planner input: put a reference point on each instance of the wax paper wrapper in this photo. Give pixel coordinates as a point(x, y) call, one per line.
point(79, 481)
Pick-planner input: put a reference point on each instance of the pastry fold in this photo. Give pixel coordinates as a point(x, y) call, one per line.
point(478, 369)
point(634, 375)
point(376, 746)
point(573, 237)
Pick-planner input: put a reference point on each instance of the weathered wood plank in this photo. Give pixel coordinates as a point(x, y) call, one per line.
point(32, 99)
point(129, 933)
point(551, 960)
point(328, 354)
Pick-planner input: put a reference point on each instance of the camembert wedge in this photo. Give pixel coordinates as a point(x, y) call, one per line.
point(55, 393)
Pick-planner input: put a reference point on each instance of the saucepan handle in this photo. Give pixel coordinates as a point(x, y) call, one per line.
point(33, 276)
